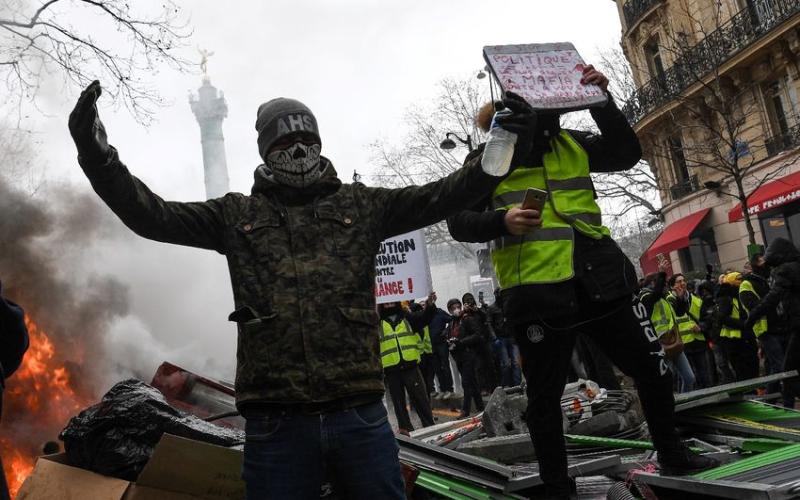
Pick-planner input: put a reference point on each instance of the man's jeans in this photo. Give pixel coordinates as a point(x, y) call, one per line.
point(506, 350)
point(680, 365)
point(698, 359)
point(288, 456)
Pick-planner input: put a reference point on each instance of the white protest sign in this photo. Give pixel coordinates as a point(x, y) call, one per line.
point(547, 75)
point(401, 268)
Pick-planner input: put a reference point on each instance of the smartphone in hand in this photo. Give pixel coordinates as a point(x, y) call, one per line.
point(534, 199)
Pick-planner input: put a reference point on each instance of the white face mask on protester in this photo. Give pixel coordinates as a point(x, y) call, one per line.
point(296, 166)
point(456, 311)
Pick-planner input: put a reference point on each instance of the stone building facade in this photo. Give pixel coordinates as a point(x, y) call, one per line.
point(717, 84)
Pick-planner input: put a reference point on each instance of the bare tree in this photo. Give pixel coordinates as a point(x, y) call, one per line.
point(21, 163)
point(713, 112)
point(625, 194)
point(420, 159)
point(78, 41)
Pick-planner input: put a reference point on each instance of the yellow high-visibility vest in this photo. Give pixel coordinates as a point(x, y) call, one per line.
point(663, 317)
point(425, 345)
point(399, 343)
point(727, 331)
point(686, 323)
point(760, 326)
point(545, 255)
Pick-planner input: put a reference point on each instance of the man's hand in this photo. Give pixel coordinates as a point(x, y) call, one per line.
point(696, 329)
point(520, 221)
point(592, 76)
point(86, 128)
point(522, 121)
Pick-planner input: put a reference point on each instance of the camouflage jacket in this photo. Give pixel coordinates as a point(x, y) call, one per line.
point(302, 269)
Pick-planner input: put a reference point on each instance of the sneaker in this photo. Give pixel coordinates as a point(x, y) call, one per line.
point(447, 395)
point(683, 461)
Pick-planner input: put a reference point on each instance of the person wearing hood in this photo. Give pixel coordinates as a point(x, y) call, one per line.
point(783, 258)
point(301, 253)
point(401, 354)
point(465, 335)
point(561, 273)
point(14, 343)
point(769, 330)
point(736, 337)
point(441, 353)
point(474, 318)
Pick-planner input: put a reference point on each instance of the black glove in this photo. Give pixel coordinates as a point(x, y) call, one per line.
point(86, 128)
point(522, 121)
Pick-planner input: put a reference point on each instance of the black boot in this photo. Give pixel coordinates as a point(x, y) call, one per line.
point(680, 460)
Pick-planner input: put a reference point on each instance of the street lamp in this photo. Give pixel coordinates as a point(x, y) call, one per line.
point(448, 144)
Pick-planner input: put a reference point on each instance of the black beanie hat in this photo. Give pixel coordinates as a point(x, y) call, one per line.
point(282, 116)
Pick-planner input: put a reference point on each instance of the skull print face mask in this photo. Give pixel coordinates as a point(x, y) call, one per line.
point(297, 165)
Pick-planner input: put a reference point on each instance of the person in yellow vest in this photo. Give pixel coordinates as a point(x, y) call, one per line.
point(427, 362)
point(736, 338)
point(400, 356)
point(769, 330)
point(561, 273)
point(688, 307)
point(662, 316)
point(769, 327)
point(783, 258)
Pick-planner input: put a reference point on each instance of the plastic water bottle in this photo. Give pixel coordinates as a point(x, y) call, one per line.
point(499, 147)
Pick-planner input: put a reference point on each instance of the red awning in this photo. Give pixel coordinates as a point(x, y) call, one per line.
point(770, 195)
point(676, 235)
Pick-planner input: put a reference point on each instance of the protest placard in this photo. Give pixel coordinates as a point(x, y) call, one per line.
point(547, 75)
point(401, 268)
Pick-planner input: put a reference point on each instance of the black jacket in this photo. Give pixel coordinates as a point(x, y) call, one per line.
point(494, 313)
point(750, 300)
point(13, 340)
point(651, 294)
point(784, 259)
point(438, 325)
point(13, 337)
point(602, 271)
point(472, 333)
point(707, 319)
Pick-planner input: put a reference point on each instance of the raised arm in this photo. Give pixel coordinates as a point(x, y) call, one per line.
point(198, 224)
point(616, 147)
point(413, 207)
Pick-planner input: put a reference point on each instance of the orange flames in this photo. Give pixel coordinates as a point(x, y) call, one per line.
point(39, 400)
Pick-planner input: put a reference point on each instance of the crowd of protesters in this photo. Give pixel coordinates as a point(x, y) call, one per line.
point(724, 328)
point(732, 326)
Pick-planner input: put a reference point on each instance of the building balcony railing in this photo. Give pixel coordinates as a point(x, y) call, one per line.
point(695, 62)
point(784, 142)
point(684, 188)
point(634, 10)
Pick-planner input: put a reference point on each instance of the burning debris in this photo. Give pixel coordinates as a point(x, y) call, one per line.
point(37, 402)
point(65, 362)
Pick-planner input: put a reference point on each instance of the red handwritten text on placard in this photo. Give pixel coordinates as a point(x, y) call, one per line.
point(549, 78)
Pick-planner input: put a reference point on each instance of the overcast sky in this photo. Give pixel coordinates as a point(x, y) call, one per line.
point(357, 64)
